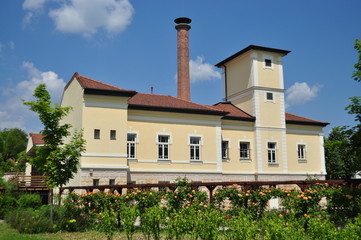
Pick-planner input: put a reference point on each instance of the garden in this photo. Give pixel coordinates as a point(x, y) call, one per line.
point(187, 214)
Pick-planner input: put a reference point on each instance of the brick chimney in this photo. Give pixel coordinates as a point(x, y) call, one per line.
point(182, 26)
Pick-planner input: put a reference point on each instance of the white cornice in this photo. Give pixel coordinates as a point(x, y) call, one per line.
point(305, 132)
point(108, 155)
point(173, 171)
point(172, 120)
point(103, 167)
point(89, 103)
point(233, 127)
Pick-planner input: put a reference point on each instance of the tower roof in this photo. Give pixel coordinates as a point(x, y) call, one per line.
point(252, 47)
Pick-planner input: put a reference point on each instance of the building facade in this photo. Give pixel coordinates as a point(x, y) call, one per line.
point(135, 137)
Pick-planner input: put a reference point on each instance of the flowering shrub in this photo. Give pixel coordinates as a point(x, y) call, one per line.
point(186, 213)
point(253, 201)
point(303, 203)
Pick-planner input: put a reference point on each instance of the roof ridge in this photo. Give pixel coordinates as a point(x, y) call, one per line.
point(88, 78)
point(198, 104)
point(302, 117)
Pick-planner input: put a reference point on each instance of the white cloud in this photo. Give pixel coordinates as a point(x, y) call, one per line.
point(87, 17)
point(300, 93)
point(13, 113)
point(201, 71)
point(33, 5)
point(34, 8)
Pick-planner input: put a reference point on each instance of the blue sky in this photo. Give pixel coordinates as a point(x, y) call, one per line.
point(132, 44)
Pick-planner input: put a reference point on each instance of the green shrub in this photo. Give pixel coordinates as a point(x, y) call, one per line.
point(240, 227)
point(29, 201)
point(7, 203)
point(107, 223)
point(151, 222)
point(276, 225)
point(320, 228)
point(128, 216)
point(30, 221)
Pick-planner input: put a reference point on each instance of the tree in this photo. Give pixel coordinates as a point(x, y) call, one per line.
point(12, 147)
point(343, 146)
point(56, 160)
point(340, 161)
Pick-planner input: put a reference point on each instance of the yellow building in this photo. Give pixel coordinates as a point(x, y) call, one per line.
point(148, 138)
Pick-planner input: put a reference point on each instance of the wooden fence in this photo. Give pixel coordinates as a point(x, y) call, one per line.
point(211, 185)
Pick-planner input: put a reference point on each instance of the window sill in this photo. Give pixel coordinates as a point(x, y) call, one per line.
point(164, 161)
point(196, 162)
point(302, 160)
point(132, 160)
point(273, 164)
point(225, 159)
point(245, 160)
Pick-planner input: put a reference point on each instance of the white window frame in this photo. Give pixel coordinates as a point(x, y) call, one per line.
point(269, 100)
point(227, 150)
point(193, 146)
point(270, 57)
point(273, 151)
point(299, 156)
point(163, 145)
point(132, 143)
point(248, 150)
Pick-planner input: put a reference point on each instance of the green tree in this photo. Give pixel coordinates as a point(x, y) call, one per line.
point(355, 109)
point(340, 160)
point(343, 145)
point(12, 147)
point(58, 161)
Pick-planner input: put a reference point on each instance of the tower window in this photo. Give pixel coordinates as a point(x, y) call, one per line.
point(269, 96)
point(113, 134)
point(96, 133)
point(268, 62)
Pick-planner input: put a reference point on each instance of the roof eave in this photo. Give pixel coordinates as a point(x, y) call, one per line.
point(252, 47)
point(178, 110)
point(239, 118)
point(322, 124)
point(106, 92)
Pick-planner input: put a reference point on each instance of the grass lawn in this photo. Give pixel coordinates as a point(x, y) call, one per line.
point(8, 233)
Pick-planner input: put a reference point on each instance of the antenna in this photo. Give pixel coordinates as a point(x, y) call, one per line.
point(151, 89)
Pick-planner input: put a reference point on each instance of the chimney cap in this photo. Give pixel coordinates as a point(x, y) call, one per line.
point(183, 20)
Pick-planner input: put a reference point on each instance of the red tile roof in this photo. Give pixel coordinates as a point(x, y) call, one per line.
point(233, 112)
point(291, 118)
point(169, 103)
point(91, 84)
point(37, 138)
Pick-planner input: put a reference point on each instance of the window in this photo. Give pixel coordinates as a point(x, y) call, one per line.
point(271, 148)
point(195, 143)
point(111, 181)
point(268, 62)
point(131, 138)
point(163, 147)
point(95, 182)
point(113, 134)
point(244, 153)
point(269, 96)
point(96, 133)
point(225, 150)
point(301, 148)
